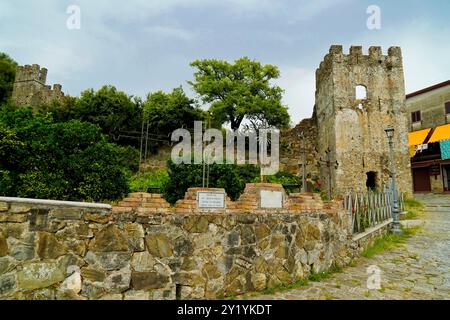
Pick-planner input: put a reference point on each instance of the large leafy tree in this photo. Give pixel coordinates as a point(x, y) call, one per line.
point(240, 90)
point(66, 160)
point(7, 74)
point(166, 112)
point(115, 112)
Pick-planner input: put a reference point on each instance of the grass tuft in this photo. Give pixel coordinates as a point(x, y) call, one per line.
point(389, 241)
point(413, 208)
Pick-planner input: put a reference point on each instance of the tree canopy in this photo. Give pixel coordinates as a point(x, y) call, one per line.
point(7, 75)
point(166, 112)
point(115, 112)
point(67, 160)
point(240, 90)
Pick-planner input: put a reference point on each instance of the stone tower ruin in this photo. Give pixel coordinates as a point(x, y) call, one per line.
point(30, 88)
point(357, 97)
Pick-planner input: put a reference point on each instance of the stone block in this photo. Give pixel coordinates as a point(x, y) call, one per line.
point(148, 280)
point(159, 245)
point(110, 238)
point(39, 275)
point(49, 247)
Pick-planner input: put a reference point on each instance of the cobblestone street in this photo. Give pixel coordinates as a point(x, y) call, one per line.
point(419, 269)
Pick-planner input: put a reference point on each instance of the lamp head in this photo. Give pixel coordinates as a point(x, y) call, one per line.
point(389, 132)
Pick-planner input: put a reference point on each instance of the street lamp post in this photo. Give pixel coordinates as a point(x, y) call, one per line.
point(395, 209)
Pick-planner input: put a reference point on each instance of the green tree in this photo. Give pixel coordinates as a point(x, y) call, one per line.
point(66, 160)
point(166, 112)
point(7, 75)
point(116, 113)
point(240, 90)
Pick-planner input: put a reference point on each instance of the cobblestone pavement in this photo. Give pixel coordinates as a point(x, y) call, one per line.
point(420, 269)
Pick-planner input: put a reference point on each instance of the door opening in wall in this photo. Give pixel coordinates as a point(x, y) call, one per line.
point(371, 181)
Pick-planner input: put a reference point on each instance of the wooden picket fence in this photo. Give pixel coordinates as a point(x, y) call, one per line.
point(369, 209)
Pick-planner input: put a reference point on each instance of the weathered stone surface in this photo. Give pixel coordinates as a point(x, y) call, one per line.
point(72, 283)
point(68, 295)
point(111, 238)
point(148, 280)
point(247, 234)
point(183, 246)
point(136, 295)
point(97, 217)
point(261, 231)
point(39, 275)
point(312, 232)
point(7, 264)
point(3, 245)
point(142, 262)
point(135, 233)
point(159, 245)
point(3, 206)
point(13, 217)
point(92, 290)
point(22, 249)
point(8, 283)
point(118, 281)
point(19, 208)
point(40, 294)
point(108, 260)
point(75, 230)
point(113, 296)
point(195, 224)
point(210, 271)
point(92, 274)
point(49, 247)
point(259, 281)
point(66, 214)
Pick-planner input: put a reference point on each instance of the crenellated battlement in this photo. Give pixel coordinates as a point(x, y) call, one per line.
point(356, 57)
point(31, 73)
point(30, 88)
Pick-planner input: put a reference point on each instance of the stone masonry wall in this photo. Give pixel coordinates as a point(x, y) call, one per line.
point(353, 128)
point(291, 155)
point(144, 249)
point(30, 88)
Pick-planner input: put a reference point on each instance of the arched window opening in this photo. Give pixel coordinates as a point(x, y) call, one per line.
point(361, 92)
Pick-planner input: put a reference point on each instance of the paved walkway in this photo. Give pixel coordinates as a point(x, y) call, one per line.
point(420, 269)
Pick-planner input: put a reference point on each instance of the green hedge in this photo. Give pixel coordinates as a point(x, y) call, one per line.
point(228, 176)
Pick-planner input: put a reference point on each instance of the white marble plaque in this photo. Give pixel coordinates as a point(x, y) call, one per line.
point(271, 199)
point(208, 199)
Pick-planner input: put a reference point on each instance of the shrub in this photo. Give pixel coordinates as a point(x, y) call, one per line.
point(141, 182)
point(231, 177)
point(67, 160)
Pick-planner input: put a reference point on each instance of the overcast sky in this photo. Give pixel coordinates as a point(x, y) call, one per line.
point(143, 46)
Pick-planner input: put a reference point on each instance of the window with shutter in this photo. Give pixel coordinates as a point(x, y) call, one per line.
point(415, 116)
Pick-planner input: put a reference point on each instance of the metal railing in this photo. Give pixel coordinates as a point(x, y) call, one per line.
point(370, 209)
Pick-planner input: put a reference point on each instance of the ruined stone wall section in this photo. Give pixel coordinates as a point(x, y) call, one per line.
point(291, 146)
point(145, 249)
point(30, 88)
point(353, 128)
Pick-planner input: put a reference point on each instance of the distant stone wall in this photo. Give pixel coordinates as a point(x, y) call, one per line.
point(291, 148)
point(144, 249)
